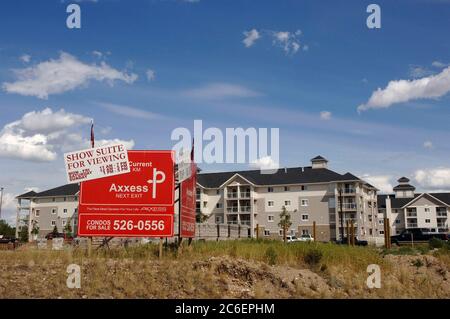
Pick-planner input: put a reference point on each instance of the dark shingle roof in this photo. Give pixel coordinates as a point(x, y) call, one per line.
point(27, 194)
point(400, 202)
point(403, 180)
point(319, 159)
point(404, 187)
point(296, 175)
point(68, 189)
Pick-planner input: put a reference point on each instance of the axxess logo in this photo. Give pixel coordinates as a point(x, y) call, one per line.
point(158, 178)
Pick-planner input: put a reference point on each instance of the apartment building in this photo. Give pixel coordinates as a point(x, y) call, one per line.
point(407, 209)
point(47, 209)
point(310, 194)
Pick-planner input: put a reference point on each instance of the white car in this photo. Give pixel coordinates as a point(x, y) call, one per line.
point(306, 237)
point(291, 239)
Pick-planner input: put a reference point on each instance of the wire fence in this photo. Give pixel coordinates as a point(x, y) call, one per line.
point(221, 231)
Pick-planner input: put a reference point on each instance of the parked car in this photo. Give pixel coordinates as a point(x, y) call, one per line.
point(358, 242)
point(291, 239)
point(53, 235)
point(7, 239)
point(416, 235)
point(306, 237)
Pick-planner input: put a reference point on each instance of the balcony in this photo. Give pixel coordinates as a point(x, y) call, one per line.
point(411, 225)
point(441, 213)
point(232, 209)
point(233, 195)
point(441, 225)
point(411, 215)
point(349, 191)
point(242, 222)
point(348, 206)
point(244, 195)
point(245, 209)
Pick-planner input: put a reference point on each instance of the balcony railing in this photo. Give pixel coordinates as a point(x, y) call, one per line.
point(411, 214)
point(232, 209)
point(441, 225)
point(348, 206)
point(232, 195)
point(349, 191)
point(245, 209)
point(441, 214)
point(244, 195)
point(411, 225)
point(242, 222)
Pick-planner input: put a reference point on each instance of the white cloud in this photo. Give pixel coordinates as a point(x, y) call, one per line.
point(428, 145)
point(98, 54)
point(151, 75)
point(382, 182)
point(433, 179)
point(287, 40)
point(42, 135)
point(26, 58)
point(129, 111)
point(264, 163)
point(400, 91)
point(417, 71)
point(128, 144)
point(250, 37)
point(325, 115)
point(61, 75)
point(219, 91)
point(438, 64)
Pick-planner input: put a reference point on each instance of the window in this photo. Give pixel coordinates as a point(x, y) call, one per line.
point(65, 211)
point(75, 210)
point(370, 231)
point(53, 222)
point(287, 203)
point(381, 221)
point(304, 202)
point(218, 192)
point(280, 232)
point(305, 217)
point(286, 189)
point(219, 205)
point(397, 221)
point(204, 204)
point(37, 212)
point(270, 218)
point(304, 188)
point(270, 189)
point(64, 223)
point(266, 232)
point(331, 203)
point(218, 219)
point(53, 199)
point(381, 232)
point(270, 203)
point(427, 221)
point(427, 209)
point(76, 198)
point(292, 231)
point(305, 232)
point(65, 199)
point(54, 211)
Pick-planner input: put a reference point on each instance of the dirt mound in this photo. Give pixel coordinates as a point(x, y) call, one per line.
point(243, 279)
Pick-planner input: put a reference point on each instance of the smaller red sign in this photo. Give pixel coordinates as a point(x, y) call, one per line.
point(117, 225)
point(188, 205)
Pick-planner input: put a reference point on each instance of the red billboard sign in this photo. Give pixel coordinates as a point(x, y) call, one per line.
point(135, 204)
point(188, 205)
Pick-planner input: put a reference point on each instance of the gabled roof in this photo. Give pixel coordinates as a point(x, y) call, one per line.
point(403, 180)
point(397, 203)
point(65, 190)
point(319, 159)
point(27, 194)
point(404, 187)
point(282, 176)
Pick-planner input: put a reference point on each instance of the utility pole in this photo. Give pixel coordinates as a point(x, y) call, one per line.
point(1, 201)
point(341, 212)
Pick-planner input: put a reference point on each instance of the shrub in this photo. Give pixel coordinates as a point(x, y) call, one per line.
point(271, 256)
point(418, 263)
point(436, 243)
point(313, 257)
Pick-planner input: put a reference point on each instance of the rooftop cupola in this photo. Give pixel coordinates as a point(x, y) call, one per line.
point(404, 189)
point(319, 162)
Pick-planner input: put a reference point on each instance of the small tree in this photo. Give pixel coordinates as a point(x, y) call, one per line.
point(55, 231)
point(285, 221)
point(68, 228)
point(35, 228)
point(6, 230)
point(23, 232)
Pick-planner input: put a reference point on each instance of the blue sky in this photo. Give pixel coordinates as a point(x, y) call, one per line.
point(202, 69)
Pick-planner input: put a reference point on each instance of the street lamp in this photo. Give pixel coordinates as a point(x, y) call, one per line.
point(1, 201)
